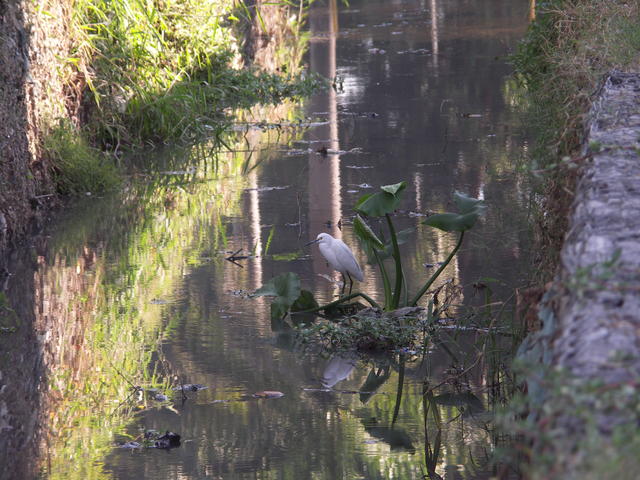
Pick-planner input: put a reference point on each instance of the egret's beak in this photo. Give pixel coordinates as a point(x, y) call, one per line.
point(312, 242)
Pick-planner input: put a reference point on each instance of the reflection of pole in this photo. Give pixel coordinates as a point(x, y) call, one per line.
point(325, 204)
point(417, 184)
point(256, 239)
point(532, 10)
point(434, 33)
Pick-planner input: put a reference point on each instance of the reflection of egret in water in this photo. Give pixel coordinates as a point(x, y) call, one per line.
point(337, 369)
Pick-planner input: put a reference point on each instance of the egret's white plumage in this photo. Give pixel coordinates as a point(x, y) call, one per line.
point(339, 256)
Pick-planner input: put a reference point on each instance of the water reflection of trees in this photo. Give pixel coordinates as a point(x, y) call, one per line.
point(88, 300)
point(96, 277)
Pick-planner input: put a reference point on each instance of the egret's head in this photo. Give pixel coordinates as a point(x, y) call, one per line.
point(321, 238)
point(324, 238)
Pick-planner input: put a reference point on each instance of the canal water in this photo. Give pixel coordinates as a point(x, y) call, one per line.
point(134, 290)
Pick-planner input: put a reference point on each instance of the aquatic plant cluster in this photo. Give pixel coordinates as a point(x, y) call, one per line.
point(158, 72)
point(289, 298)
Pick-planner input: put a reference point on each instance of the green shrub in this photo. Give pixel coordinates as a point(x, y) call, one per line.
point(78, 168)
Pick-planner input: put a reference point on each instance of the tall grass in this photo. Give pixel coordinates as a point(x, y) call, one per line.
point(166, 71)
point(568, 50)
point(79, 168)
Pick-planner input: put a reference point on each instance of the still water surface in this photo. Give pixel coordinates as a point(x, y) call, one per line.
point(135, 289)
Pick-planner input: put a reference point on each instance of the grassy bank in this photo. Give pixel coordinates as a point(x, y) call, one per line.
point(161, 72)
point(565, 57)
point(568, 50)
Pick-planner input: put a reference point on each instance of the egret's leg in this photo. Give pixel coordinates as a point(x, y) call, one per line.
point(350, 283)
point(344, 284)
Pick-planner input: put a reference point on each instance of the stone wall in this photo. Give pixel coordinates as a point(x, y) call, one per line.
point(589, 341)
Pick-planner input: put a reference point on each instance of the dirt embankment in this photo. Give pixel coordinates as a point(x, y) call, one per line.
point(33, 78)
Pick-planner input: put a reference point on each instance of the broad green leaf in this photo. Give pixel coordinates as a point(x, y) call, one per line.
point(365, 234)
point(278, 310)
point(470, 211)
point(285, 287)
point(380, 203)
point(377, 205)
point(452, 222)
point(467, 204)
point(362, 199)
point(402, 237)
point(395, 188)
point(304, 302)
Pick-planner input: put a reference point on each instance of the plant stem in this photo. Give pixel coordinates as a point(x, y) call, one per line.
point(405, 297)
point(426, 286)
point(396, 256)
point(396, 409)
point(385, 279)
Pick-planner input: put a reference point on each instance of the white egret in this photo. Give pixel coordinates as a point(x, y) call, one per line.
point(340, 258)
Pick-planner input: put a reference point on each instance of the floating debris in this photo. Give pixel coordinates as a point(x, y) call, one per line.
point(295, 152)
point(266, 189)
point(364, 185)
point(360, 114)
point(268, 394)
point(377, 51)
point(415, 51)
point(188, 171)
point(168, 440)
point(190, 387)
point(238, 293)
point(158, 301)
point(356, 150)
point(358, 167)
point(131, 445)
